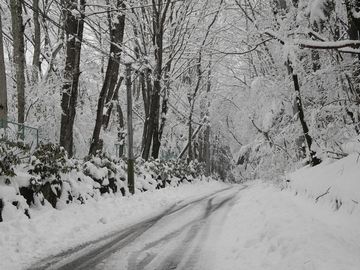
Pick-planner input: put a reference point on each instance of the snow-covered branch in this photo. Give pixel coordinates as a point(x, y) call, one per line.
point(344, 46)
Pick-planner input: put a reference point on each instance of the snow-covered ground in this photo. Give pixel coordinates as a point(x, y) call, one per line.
point(51, 231)
point(273, 229)
point(260, 227)
point(257, 226)
point(333, 183)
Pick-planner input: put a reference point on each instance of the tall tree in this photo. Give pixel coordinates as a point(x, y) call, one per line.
point(117, 27)
point(353, 9)
point(74, 13)
point(199, 73)
point(166, 23)
point(37, 42)
point(18, 55)
point(159, 10)
point(3, 89)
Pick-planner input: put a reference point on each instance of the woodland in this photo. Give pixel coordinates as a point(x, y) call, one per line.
point(248, 88)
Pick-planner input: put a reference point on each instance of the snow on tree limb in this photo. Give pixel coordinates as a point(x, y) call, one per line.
point(344, 46)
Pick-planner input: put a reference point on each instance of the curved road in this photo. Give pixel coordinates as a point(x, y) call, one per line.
point(179, 238)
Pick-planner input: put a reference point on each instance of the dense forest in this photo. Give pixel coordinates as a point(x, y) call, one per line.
point(180, 134)
point(249, 88)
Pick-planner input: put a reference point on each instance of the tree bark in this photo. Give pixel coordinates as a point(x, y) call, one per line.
point(158, 30)
point(37, 43)
point(159, 10)
point(354, 34)
point(147, 90)
point(121, 122)
point(106, 117)
point(312, 154)
point(19, 55)
point(3, 87)
point(111, 77)
point(207, 146)
point(165, 101)
point(353, 22)
point(74, 26)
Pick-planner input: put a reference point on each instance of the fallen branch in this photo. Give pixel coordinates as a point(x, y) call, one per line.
point(338, 155)
point(322, 195)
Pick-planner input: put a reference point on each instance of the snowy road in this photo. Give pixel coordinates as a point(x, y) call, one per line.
point(179, 238)
point(257, 227)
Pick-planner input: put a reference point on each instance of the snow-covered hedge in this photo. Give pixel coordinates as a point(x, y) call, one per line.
point(48, 177)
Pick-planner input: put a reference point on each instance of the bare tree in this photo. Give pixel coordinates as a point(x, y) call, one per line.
point(352, 7)
point(117, 27)
point(3, 89)
point(37, 42)
point(199, 75)
point(19, 55)
point(74, 27)
point(164, 22)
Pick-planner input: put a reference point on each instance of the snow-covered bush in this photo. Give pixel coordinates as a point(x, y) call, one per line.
point(8, 158)
point(49, 177)
point(10, 198)
point(172, 173)
point(109, 173)
point(46, 165)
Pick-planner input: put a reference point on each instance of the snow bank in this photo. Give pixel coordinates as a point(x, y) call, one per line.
point(50, 231)
point(269, 229)
point(337, 182)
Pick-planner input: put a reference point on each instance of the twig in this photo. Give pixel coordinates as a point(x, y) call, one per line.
point(322, 195)
point(338, 154)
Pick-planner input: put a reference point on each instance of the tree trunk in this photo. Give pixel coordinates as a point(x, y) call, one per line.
point(3, 87)
point(121, 131)
point(312, 154)
point(74, 33)
point(147, 90)
point(354, 34)
point(159, 11)
point(154, 119)
point(155, 97)
point(165, 101)
point(153, 127)
point(207, 146)
point(111, 77)
point(106, 118)
point(190, 132)
point(121, 128)
point(19, 55)
point(37, 43)
point(354, 22)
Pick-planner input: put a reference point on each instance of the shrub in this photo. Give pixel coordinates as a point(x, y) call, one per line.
point(107, 172)
point(10, 199)
point(47, 164)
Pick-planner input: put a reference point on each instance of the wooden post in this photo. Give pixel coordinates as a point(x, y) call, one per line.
point(130, 170)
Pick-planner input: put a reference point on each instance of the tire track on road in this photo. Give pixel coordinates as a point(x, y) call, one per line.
point(192, 230)
point(91, 253)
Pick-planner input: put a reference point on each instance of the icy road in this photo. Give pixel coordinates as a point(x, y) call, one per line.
point(240, 227)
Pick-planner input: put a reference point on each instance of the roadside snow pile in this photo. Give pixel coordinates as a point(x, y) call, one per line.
point(269, 229)
point(337, 183)
point(48, 177)
point(50, 231)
